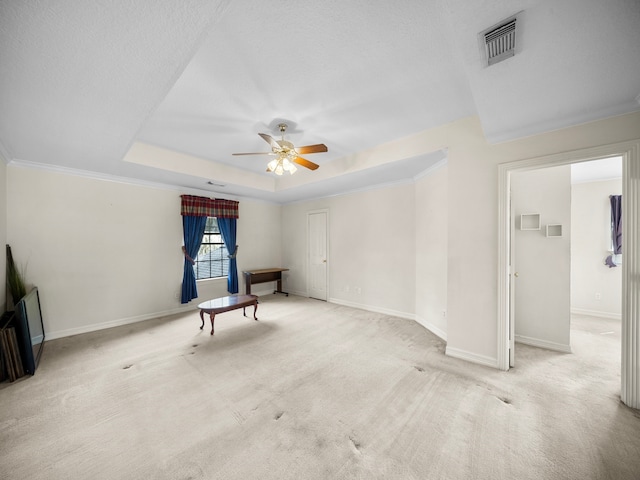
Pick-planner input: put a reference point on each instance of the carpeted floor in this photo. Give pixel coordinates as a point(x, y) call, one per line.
point(314, 391)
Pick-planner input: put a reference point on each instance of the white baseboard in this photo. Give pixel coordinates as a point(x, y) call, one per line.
point(261, 292)
point(536, 342)
point(298, 293)
point(437, 331)
point(139, 318)
point(117, 323)
point(369, 308)
point(594, 313)
point(472, 357)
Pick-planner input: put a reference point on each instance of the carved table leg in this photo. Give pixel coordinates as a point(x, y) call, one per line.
point(201, 318)
point(255, 307)
point(212, 316)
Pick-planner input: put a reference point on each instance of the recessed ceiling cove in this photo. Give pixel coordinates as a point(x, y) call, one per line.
point(97, 86)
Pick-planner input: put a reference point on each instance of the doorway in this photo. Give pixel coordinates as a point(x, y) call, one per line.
point(560, 237)
point(541, 258)
point(630, 153)
point(317, 234)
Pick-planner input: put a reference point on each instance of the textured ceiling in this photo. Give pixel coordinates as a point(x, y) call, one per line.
point(597, 170)
point(181, 86)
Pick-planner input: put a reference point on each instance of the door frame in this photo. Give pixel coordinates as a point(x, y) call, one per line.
point(309, 213)
point(512, 283)
point(630, 153)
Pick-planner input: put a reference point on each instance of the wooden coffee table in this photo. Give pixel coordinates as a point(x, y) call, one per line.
point(226, 304)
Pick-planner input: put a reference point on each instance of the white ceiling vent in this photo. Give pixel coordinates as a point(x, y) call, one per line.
point(500, 41)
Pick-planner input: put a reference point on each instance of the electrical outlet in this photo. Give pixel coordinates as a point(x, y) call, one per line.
point(598, 295)
point(358, 290)
point(444, 313)
point(346, 289)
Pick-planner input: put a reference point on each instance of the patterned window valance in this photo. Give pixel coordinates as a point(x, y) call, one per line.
point(208, 207)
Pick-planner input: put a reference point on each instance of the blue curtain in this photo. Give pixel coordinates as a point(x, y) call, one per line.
point(193, 228)
point(228, 230)
point(616, 227)
point(616, 222)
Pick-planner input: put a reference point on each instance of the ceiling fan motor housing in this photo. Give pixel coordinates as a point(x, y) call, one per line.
point(287, 154)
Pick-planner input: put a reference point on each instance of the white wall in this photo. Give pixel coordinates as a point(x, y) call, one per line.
point(591, 224)
point(371, 260)
point(543, 264)
point(472, 194)
point(472, 235)
point(105, 253)
point(472, 223)
point(431, 250)
point(259, 240)
point(390, 242)
point(3, 229)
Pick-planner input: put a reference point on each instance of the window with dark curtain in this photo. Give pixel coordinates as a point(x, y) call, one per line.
point(616, 230)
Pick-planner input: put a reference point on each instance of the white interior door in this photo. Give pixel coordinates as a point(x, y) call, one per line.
point(513, 274)
point(317, 228)
point(541, 269)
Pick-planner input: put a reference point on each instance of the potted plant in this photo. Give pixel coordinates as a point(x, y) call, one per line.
point(15, 279)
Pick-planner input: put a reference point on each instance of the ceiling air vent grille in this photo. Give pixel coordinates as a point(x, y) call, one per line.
point(500, 42)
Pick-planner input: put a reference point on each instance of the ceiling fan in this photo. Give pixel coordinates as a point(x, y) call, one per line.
point(286, 154)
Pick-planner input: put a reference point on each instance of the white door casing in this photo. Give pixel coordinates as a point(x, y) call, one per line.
point(630, 152)
point(513, 275)
point(318, 260)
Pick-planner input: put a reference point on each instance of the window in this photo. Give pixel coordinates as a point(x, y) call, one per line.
point(212, 260)
point(615, 258)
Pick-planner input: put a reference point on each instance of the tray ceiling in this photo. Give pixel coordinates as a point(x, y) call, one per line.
point(95, 86)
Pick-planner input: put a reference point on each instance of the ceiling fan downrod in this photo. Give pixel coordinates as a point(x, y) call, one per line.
point(283, 128)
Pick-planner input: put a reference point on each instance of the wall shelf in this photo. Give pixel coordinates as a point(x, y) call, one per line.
point(530, 221)
point(554, 230)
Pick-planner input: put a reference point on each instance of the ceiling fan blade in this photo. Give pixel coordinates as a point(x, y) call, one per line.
point(270, 140)
point(306, 163)
point(254, 153)
point(320, 147)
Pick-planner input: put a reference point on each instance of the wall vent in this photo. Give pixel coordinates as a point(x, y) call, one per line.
point(500, 41)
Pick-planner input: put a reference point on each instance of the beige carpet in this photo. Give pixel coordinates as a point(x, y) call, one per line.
point(314, 391)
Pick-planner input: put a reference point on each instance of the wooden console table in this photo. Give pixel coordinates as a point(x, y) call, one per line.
point(263, 276)
point(226, 304)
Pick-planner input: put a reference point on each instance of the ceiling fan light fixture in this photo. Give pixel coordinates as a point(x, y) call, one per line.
point(288, 165)
point(271, 166)
point(287, 155)
point(281, 164)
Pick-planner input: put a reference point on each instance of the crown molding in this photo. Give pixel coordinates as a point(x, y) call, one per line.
point(562, 123)
point(116, 179)
point(431, 169)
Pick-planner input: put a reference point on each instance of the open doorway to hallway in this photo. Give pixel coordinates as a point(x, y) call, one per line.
point(593, 367)
point(630, 324)
point(560, 237)
point(596, 287)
